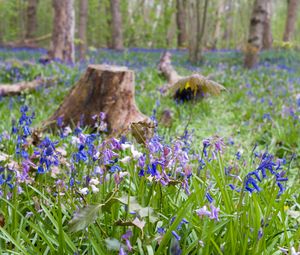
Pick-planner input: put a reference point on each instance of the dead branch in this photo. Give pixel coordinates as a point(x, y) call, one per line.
point(24, 86)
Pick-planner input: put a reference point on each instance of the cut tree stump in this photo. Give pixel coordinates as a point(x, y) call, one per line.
point(107, 89)
point(24, 86)
point(186, 88)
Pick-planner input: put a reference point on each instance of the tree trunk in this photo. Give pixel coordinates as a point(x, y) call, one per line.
point(217, 31)
point(290, 19)
point(268, 38)
point(181, 23)
point(117, 35)
point(63, 31)
point(107, 89)
point(229, 23)
point(196, 44)
point(82, 28)
point(255, 40)
point(31, 24)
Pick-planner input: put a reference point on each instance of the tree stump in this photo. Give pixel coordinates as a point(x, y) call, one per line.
point(107, 89)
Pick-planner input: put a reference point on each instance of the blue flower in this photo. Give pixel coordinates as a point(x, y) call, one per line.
point(176, 235)
point(209, 198)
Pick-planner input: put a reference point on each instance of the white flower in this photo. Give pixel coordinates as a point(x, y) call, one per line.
point(67, 131)
point(125, 146)
point(94, 181)
point(94, 189)
point(98, 170)
point(84, 191)
point(136, 154)
point(125, 159)
point(75, 140)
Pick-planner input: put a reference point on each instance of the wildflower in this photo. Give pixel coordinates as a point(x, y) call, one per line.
point(121, 251)
point(126, 237)
point(214, 215)
point(135, 154)
point(161, 230)
point(125, 160)
point(84, 191)
point(203, 211)
point(94, 181)
point(176, 235)
point(238, 155)
point(209, 198)
point(115, 168)
point(94, 189)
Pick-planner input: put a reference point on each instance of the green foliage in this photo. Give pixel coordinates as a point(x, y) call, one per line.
point(258, 109)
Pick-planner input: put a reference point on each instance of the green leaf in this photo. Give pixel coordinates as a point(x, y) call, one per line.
point(84, 217)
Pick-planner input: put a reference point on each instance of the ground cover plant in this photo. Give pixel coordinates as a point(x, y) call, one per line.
point(221, 177)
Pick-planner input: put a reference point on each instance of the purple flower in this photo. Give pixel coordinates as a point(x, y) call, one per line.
point(126, 237)
point(203, 211)
point(214, 212)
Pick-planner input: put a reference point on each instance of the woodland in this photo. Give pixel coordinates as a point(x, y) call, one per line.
point(168, 127)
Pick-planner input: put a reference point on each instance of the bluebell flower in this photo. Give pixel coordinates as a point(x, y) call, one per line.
point(208, 197)
point(176, 235)
point(115, 168)
point(161, 230)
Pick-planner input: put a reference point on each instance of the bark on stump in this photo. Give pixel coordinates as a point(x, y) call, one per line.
point(108, 89)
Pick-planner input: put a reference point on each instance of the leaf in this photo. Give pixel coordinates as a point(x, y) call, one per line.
point(88, 214)
point(133, 204)
point(148, 212)
point(112, 244)
point(84, 217)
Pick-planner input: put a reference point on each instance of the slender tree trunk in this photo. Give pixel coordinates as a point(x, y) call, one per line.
point(268, 38)
point(217, 31)
point(199, 30)
point(117, 35)
point(229, 23)
point(63, 31)
point(291, 19)
point(181, 23)
point(255, 40)
point(31, 24)
point(82, 28)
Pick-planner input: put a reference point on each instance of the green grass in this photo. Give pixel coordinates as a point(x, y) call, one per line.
point(259, 113)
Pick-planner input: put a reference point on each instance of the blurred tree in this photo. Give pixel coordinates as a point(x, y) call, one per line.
point(229, 22)
point(256, 34)
point(217, 28)
point(63, 31)
point(83, 11)
point(197, 27)
point(117, 34)
point(181, 23)
point(31, 24)
point(290, 19)
point(267, 35)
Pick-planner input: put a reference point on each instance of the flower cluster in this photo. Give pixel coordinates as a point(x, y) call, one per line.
point(267, 164)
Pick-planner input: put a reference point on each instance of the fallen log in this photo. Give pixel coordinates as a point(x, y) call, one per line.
point(186, 88)
point(24, 86)
point(29, 43)
point(104, 89)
